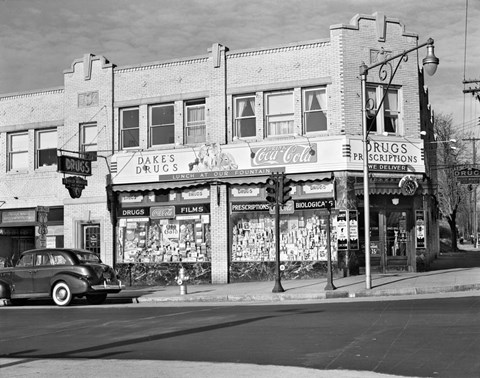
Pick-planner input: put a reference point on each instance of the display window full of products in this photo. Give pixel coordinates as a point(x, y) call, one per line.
point(303, 237)
point(165, 240)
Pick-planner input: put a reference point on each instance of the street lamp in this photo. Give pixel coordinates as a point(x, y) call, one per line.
point(430, 63)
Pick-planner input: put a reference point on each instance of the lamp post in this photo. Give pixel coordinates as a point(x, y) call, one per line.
point(430, 63)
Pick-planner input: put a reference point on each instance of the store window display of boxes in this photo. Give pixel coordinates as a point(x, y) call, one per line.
point(303, 237)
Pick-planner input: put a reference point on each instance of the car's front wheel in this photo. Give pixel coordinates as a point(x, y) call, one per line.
point(61, 294)
point(96, 299)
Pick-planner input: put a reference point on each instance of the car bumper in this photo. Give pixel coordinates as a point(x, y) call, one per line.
point(109, 288)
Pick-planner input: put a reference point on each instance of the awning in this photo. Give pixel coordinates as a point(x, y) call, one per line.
point(243, 180)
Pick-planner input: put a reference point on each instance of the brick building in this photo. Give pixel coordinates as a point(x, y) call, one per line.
point(182, 150)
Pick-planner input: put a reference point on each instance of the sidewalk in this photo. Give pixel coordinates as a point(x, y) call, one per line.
point(464, 278)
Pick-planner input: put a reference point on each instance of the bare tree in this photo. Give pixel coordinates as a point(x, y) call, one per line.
point(452, 195)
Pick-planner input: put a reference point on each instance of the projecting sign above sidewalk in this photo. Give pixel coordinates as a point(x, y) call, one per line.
point(468, 175)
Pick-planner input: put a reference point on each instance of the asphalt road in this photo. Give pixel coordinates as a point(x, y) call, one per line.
point(421, 337)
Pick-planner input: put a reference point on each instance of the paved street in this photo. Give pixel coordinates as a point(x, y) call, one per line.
point(419, 337)
point(431, 335)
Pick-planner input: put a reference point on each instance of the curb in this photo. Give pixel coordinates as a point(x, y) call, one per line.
point(280, 297)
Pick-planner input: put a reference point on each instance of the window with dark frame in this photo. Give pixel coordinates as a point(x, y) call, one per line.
point(388, 117)
point(17, 151)
point(88, 140)
point(315, 109)
point(162, 124)
point(279, 113)
point(46, 154)
point(245, 120)
point(195, 127)
point(130, 127)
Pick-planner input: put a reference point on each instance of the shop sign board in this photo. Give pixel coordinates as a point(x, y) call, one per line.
point(389, 156)
point(468, 175)
point(162, 212)
point(342, 230)
point(134, 212)
point(420, 229)
point(347, 229)
point(74, 165)
point(245, 192)
point(314, 204)
point(323, 187)
point(23, 216)
point(353, 228)
point(196, 194)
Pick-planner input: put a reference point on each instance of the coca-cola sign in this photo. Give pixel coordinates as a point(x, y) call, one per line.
point(285, 155)
point(162, 212)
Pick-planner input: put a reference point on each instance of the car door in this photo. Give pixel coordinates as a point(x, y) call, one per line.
point(43, 271)
point(22, 275)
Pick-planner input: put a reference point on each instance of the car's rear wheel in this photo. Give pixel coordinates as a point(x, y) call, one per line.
point(95, 299)
point(61, 294)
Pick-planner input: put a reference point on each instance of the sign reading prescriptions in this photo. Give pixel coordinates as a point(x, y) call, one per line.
point(401, 156)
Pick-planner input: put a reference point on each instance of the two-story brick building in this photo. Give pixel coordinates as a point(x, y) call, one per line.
point(183, 148)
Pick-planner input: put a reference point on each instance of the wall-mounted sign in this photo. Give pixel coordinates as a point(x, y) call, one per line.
point(353, 229)
point(74, 165)
point(196, 194)
point(245, 192)
point(23, 216)
point(75, 185)
point(347, 229)
point(342, 230)
point(162, 212)
point(134, 212)
point(130, 198)
point(285, 155)
point(420, 229)
point(313, 204)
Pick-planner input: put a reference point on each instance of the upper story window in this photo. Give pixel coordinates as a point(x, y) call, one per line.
point(46, 153)
point(279, 113)
point(245, 122)
point(195, 127)
point(129, 127)
point(314, 110)
point(162, 125)
point(17, 151)
point(88, 140)
point(388, 116)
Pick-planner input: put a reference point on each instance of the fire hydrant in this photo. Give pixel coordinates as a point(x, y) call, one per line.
point(182, 279)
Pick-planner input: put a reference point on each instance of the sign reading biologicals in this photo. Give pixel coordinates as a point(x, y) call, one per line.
point(391, 156)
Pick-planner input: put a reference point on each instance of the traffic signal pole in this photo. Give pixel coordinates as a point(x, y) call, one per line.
point(274, 195)
point(278, 285)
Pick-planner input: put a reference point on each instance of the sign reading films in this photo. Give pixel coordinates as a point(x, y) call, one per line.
point(74, 166)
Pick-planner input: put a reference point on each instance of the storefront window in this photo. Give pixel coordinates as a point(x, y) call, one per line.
point(165, 240)
point(303, 236)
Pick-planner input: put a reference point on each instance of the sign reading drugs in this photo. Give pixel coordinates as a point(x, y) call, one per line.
point(74, 165)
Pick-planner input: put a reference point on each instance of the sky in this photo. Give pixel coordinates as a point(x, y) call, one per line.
point(39, 39)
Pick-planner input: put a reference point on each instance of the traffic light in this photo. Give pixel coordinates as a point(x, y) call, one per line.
point(272, 189)
point(285, 189)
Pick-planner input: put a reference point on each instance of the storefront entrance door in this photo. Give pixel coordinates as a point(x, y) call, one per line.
point(396, 240)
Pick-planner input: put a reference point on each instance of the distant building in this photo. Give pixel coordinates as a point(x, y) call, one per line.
point(182, 150)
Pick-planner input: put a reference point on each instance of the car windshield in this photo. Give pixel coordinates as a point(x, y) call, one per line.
point(87, 256)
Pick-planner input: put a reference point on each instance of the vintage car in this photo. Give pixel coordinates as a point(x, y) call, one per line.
point(58, 273)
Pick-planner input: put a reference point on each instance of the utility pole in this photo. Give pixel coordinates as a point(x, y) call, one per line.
point(474, 151)
point(475, 92)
